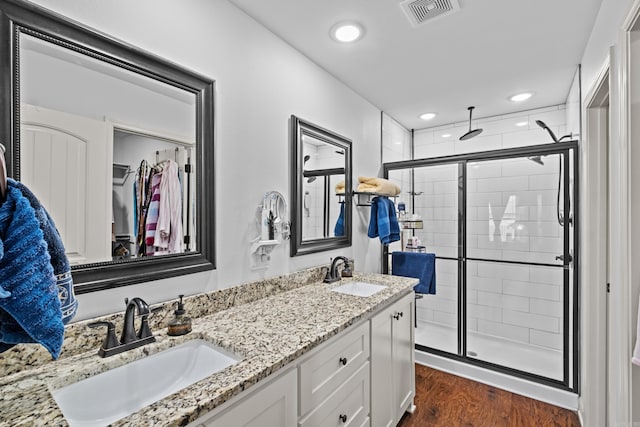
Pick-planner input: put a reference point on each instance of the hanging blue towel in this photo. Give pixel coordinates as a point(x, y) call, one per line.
point(59, 260)
point(29, 303)
point(339, 228)
point(419, 265)
point(383, 222)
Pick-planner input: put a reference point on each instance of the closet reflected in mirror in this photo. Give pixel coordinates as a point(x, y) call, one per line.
point(107, 151)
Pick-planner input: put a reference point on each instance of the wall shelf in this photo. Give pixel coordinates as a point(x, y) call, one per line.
point(364, 198)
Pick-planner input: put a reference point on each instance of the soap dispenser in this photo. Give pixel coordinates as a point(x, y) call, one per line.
point(180, 324)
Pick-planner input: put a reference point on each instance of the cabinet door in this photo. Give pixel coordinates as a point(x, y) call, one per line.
point(392, 363)
point(382, 406)
point(272, 405)
point(403, 355)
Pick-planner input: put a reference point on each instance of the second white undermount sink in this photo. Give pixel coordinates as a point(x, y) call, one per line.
point(359, 289)
point(114, 394)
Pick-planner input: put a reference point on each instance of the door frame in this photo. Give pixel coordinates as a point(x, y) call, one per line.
point(594, 154)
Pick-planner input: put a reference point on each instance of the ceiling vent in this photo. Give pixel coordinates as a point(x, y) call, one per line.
point(420, 11)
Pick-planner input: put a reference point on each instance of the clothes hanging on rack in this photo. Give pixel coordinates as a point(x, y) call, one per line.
point(168, 236)
point(152, 214)
point(158, 206)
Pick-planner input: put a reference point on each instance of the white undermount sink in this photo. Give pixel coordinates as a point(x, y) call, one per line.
point(112, 395)
point(359, 289)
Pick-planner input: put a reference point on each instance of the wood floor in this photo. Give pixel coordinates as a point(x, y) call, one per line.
point(445, 400)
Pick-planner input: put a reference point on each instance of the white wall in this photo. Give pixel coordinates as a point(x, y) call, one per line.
point(260, 82)
point(604, 35)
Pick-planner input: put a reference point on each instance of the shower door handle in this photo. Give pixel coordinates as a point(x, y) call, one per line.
point(561, 258)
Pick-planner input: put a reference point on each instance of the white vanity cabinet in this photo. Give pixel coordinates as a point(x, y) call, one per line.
point(392, 363)
point(274, 404)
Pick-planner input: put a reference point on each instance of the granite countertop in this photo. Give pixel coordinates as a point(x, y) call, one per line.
point(269, 333)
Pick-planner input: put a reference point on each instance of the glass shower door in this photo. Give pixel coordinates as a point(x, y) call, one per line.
point(517, 286)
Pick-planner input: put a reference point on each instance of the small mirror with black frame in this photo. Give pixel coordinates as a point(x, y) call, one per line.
point(320, 188)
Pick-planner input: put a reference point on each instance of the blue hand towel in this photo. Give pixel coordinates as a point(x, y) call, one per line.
point(59, 260)
point(339, 228)
point(383, 222)
point(419, 265)
point(29, 303)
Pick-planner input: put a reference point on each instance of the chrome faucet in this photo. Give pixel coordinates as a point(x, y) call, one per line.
point(130, 338)
point(332, 273)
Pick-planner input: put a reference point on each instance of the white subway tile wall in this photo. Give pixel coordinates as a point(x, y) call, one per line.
point(511, 215)
point(396, 141)
point(498, 132)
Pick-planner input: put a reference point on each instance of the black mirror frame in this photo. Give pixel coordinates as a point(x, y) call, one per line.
point(298, 128)
point(18, 17)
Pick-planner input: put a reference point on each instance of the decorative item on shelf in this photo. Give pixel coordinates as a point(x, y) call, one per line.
point(273, 228)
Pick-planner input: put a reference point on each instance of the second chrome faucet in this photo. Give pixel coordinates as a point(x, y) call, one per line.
point(130, 338)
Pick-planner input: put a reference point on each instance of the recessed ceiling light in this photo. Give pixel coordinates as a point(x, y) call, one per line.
point(520, 97)
point(427, 116)
point(446, 135)
point(347, 32)
point(522, 124)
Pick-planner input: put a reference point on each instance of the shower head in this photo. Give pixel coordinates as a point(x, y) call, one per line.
point(537, 159)
point(471, 133)
point(306, 159)
point(544, 126)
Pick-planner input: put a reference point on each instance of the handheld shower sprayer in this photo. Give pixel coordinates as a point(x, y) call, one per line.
point(538, 159)
point(544, 126)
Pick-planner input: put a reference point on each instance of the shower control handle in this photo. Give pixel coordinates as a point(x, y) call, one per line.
point(398, 315)
point(343, 361)
point(343, 418)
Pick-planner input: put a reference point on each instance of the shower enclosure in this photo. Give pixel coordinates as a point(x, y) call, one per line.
point(502, 225)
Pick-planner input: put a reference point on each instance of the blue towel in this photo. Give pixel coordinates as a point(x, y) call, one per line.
point(59, 260)
point(383, 222)
point(339, 228)
point(419, 265)
point(29, 303)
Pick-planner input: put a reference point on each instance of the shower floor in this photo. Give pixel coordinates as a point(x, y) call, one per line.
point(517, 355)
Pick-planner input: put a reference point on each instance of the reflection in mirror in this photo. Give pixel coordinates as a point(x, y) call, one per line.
point(116, 144)
point(321, 170)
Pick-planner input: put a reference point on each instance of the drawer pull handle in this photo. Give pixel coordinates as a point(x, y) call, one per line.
point(343, 360)
point(398, 315)
point(343, 418)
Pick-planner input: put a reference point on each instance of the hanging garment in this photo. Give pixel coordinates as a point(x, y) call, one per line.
point(29, 302)
point(168, 236)
point(152, 213)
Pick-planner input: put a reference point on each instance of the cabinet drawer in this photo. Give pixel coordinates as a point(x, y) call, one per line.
point(323, 373)
point(348, 406)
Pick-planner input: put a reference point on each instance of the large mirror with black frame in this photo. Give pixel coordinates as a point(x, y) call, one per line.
point(115, 142)
point(320, 187)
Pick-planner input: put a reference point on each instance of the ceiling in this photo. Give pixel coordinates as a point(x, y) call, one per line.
point(478, 55)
